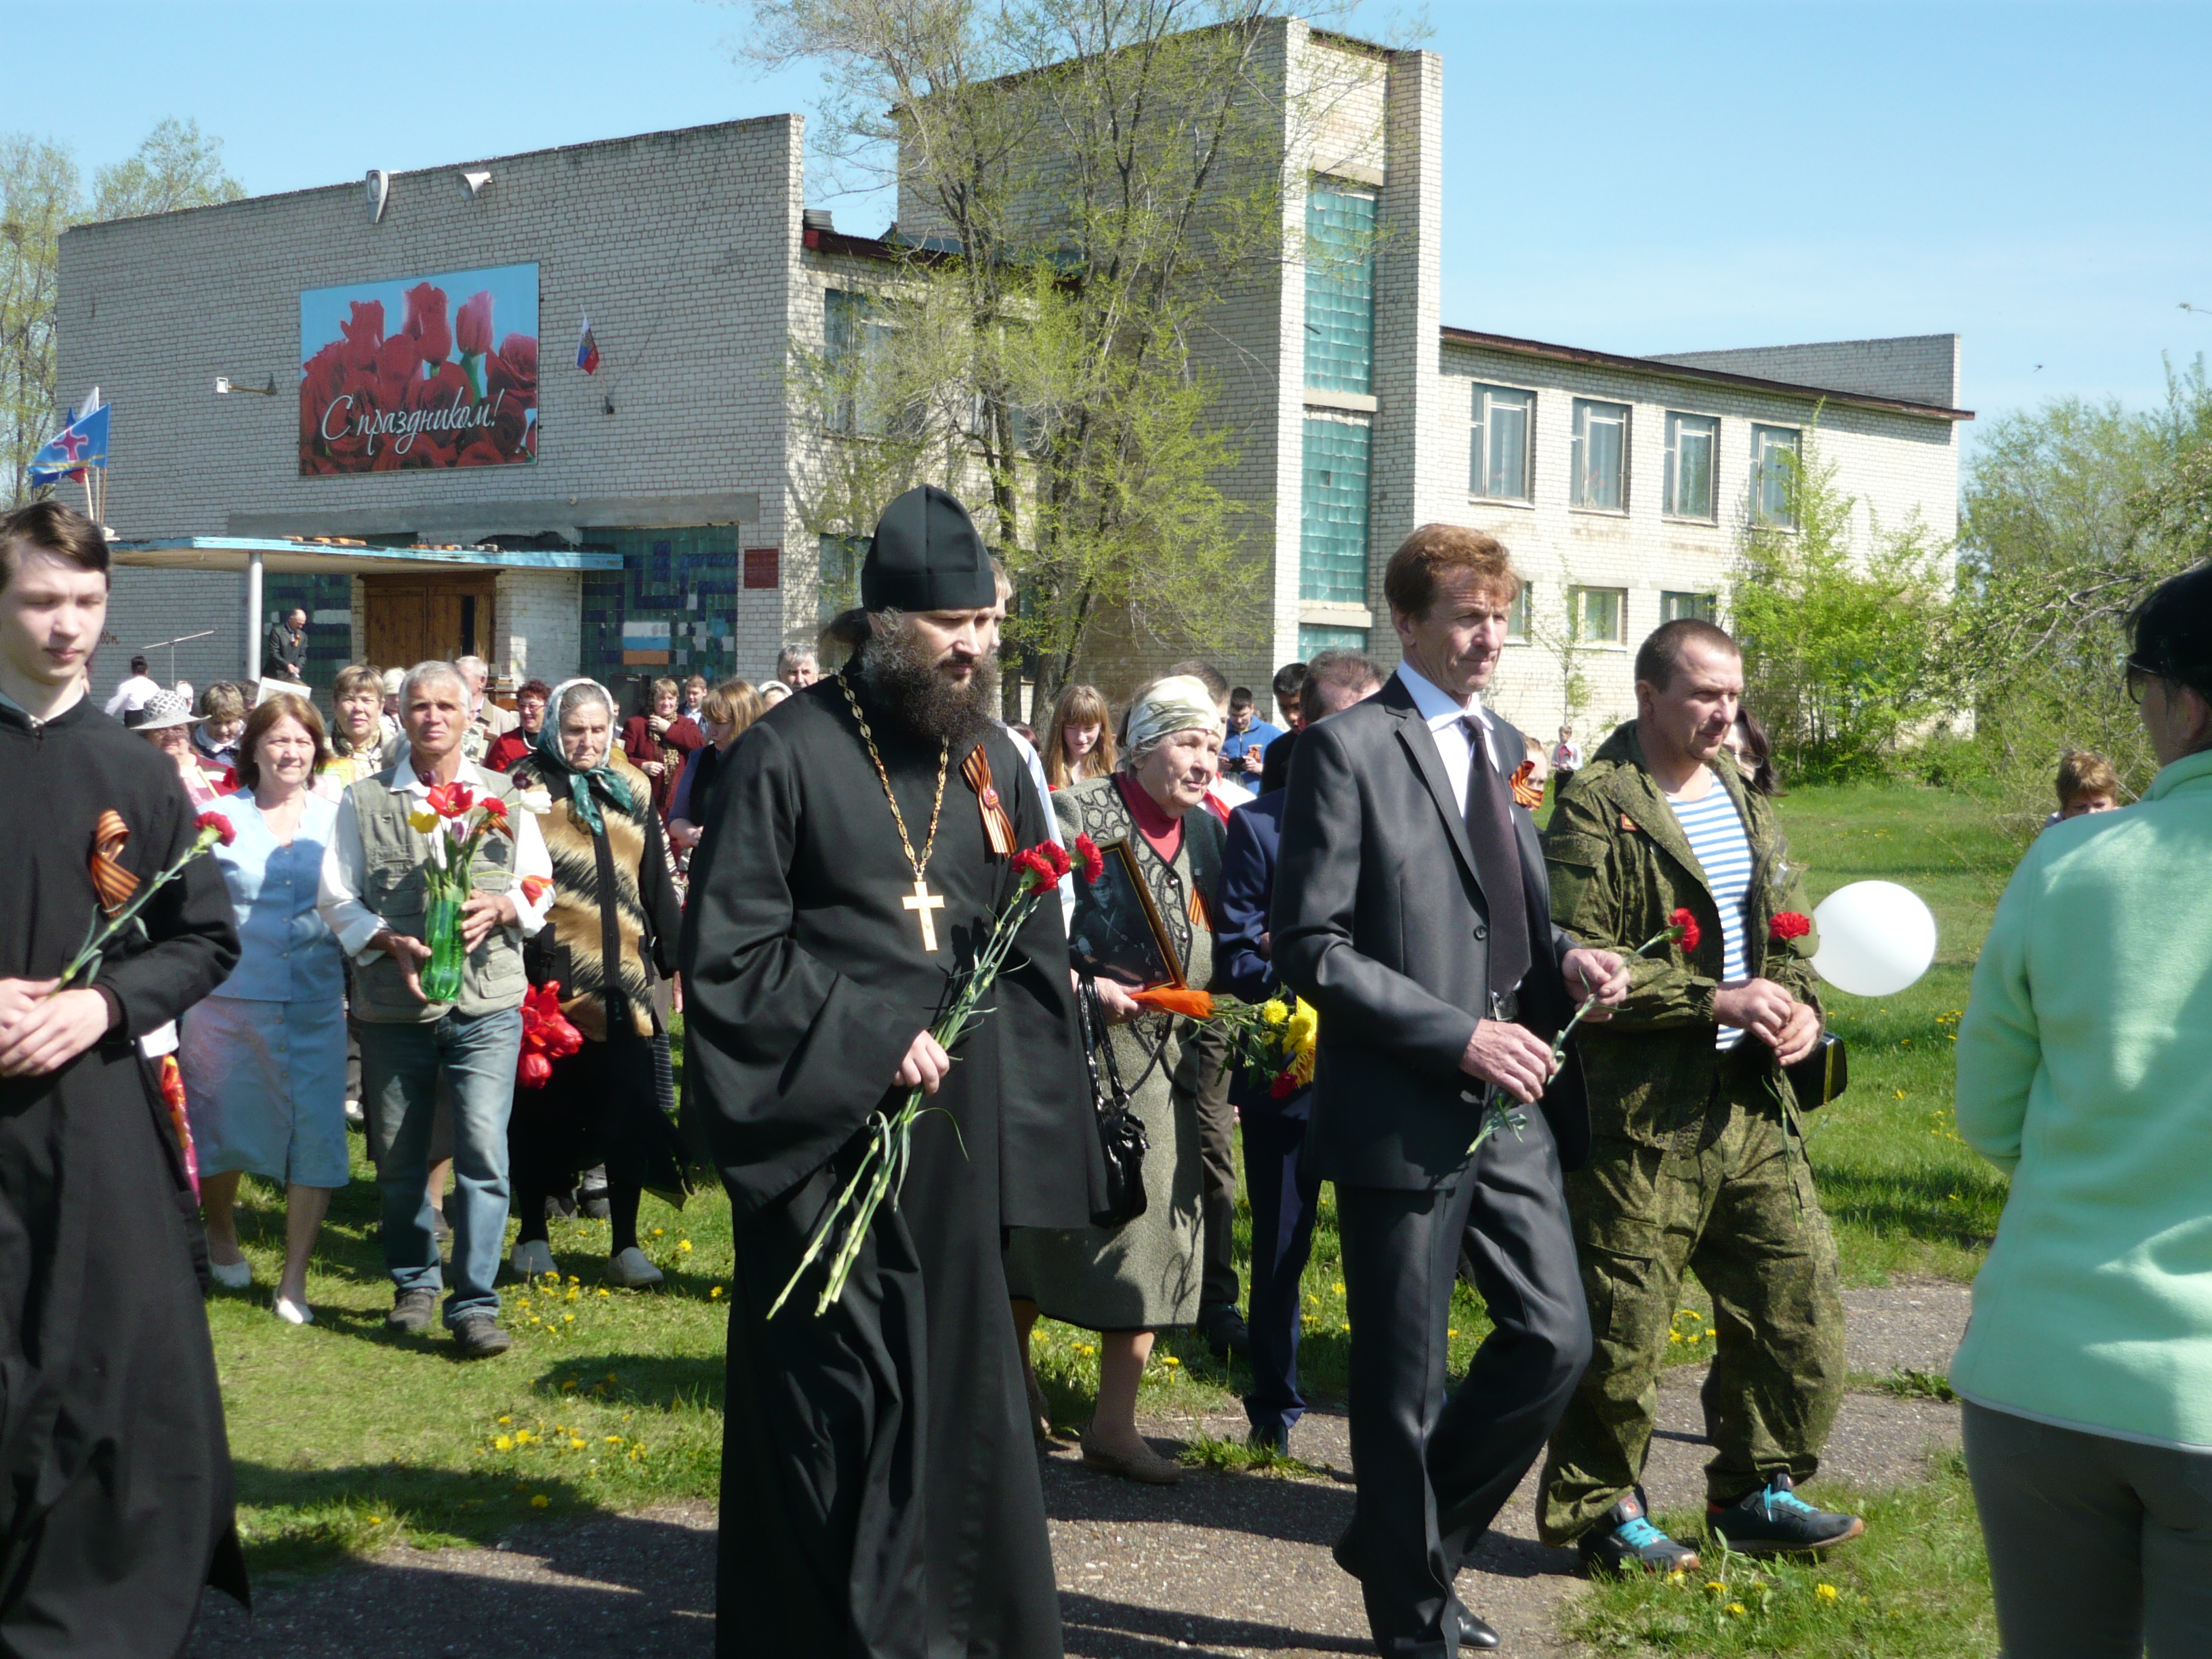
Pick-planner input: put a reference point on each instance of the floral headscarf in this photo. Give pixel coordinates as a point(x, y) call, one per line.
point(586, 789)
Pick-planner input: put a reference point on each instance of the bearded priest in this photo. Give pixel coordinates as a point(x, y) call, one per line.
point(880, 1493)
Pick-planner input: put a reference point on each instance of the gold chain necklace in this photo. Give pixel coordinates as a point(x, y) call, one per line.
point(921, 901)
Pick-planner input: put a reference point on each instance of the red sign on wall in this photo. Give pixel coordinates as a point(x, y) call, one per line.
point(764, 567)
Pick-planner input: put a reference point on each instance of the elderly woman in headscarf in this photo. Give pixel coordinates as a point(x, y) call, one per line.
point(607, 941)
point(1129, 1282)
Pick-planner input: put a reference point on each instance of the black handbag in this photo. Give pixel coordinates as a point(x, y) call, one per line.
point(1821, 1075)
point(1122, 1139)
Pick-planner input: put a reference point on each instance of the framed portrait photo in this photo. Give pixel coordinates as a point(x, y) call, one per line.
point(1117, 932)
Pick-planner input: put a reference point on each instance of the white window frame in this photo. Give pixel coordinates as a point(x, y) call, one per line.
point(1579, 446)
point(1577, 615)
point(1478, 434)
point(1669, 503)
point(1520, 615)
point(1670, 607)
point(1765, 442)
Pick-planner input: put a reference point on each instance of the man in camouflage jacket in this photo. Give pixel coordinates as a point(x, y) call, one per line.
point(1698, 1158)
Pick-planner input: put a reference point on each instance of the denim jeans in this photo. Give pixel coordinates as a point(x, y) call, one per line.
point(399, 1069)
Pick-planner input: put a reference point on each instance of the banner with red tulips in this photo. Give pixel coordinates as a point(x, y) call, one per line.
point(417, 373)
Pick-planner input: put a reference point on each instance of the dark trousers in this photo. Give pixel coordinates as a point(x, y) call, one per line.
point(1203, 1074)
point(2098, 1547)
point(1285, 1195)
point(1433, 1471)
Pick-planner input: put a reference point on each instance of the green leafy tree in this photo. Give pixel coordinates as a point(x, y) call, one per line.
point(1841, 645)
point(41, 196)
point(2073, 513)
point(1081, 185)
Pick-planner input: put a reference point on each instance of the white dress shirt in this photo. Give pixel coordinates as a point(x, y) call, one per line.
point(1446, 720)
point(344, 868)
point(131, 696)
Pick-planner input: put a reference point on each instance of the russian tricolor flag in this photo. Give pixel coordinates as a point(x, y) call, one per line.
point(588, 351)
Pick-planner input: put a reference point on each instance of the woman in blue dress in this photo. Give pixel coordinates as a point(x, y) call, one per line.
point(264, 1058)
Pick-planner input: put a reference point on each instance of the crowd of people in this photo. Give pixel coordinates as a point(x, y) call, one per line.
point(798, 868)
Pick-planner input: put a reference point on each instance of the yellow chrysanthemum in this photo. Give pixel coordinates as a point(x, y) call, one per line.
point(1275, 1011)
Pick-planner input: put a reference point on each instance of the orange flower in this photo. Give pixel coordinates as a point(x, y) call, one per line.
point(534, 888)
point(1169, 999)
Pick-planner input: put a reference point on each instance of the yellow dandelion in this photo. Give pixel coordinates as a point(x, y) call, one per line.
point(568, 1319)
point(1714, 1586)
point(614, 1440)
point(576, 1445)
point(569, 1384)
point(604, 1291)
point(1171, 1360)
point(657, 1231)
point(1337, 1287)
point(714, 1291)
point(541, 1501)
point(1735, 1609)
point(503, 1443)
point(684, 1245)
point(572, 1295)
point(504, 1419)
point(1825, 1592)
point(573, 1279)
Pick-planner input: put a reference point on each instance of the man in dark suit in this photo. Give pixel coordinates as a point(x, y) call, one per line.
point(1284, 1189)
point(1411, 910)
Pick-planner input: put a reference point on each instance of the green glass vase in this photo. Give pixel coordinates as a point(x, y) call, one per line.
point(441, 932)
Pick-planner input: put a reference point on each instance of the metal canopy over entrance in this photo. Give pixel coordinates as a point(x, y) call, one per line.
point(423, 601)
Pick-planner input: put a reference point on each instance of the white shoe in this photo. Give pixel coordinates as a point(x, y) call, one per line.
point(354, 1115)
point(532, 1260)
point(232, 1275)
point(631, 1270)
point(295, 1313)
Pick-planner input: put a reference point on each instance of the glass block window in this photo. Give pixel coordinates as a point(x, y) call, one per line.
point(1503, 419)
point(1313, 638)
point(1333, 517)
point(1599, 615)
point(1340, 288)
point(677, 588)
point(1773, 475)
point(1691, 441)
point(1599, 462)
point(1520, 614)
point(1695, 607)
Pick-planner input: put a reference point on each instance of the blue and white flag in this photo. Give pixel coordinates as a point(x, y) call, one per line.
point(82, 444)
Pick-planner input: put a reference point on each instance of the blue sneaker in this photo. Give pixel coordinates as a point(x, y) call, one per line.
point(1775, 1521)
point(1623, 1537)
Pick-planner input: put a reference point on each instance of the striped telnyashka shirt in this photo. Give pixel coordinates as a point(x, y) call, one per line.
point(1716, 837)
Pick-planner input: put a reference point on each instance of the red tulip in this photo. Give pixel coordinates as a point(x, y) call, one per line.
point(472, 323)
point(451, 800)
point(363, 331)
point(533, 1072)
point(426, 323)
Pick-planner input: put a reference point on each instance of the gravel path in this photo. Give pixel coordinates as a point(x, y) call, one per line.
point(1222, 1564)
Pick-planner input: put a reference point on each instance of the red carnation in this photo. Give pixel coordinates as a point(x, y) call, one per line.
point(1688, 925)
point(1788, 925)
point(220, 825)
point(1055, 855)
point(1094, 862)
point(1035, 868)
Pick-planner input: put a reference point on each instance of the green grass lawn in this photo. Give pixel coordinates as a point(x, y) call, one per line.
point(345, 1438)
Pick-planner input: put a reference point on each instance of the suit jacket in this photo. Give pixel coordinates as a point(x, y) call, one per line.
point(1381, 923)
point(1275, 763)
point(1247, 889)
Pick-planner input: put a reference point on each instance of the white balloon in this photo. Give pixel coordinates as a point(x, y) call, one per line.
point(1876, 939)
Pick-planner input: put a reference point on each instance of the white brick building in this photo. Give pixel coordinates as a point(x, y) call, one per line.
point(1356, 412)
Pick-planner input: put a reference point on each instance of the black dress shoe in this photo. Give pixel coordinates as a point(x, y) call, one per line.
point(1223, 1329)
point(1474, 1633)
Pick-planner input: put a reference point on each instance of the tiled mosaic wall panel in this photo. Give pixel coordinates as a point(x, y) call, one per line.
point(328, 601)
point(671, 611)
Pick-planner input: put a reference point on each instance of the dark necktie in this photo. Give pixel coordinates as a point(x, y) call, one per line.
point(1497, 864)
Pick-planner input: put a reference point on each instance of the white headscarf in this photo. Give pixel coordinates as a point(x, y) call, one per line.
point(1180, 702)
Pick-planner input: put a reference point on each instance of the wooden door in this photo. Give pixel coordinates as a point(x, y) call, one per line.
point(414, 619)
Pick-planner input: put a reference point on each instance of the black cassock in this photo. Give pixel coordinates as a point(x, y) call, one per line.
point(118, 1497)
point(880, 1493)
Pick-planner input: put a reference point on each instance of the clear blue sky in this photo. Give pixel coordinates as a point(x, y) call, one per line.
point(1653, 176)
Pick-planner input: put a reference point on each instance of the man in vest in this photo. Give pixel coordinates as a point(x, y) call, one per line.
point(373, 896)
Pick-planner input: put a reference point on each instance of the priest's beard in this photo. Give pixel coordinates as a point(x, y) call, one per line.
point(901, 675)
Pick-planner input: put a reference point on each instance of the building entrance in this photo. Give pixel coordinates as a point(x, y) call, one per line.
point(421, 618)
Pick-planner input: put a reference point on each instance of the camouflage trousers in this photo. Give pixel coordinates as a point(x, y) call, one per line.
point(1731, 1197)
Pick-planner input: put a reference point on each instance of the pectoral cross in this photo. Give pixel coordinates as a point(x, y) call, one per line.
point(921, 903)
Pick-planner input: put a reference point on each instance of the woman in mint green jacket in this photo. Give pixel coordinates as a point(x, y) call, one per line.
point(2085, 1071)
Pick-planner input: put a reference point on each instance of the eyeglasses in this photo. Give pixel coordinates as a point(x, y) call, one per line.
point(2138, 679)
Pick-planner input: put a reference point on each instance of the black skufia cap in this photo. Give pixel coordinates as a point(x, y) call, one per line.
point(927, 557)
